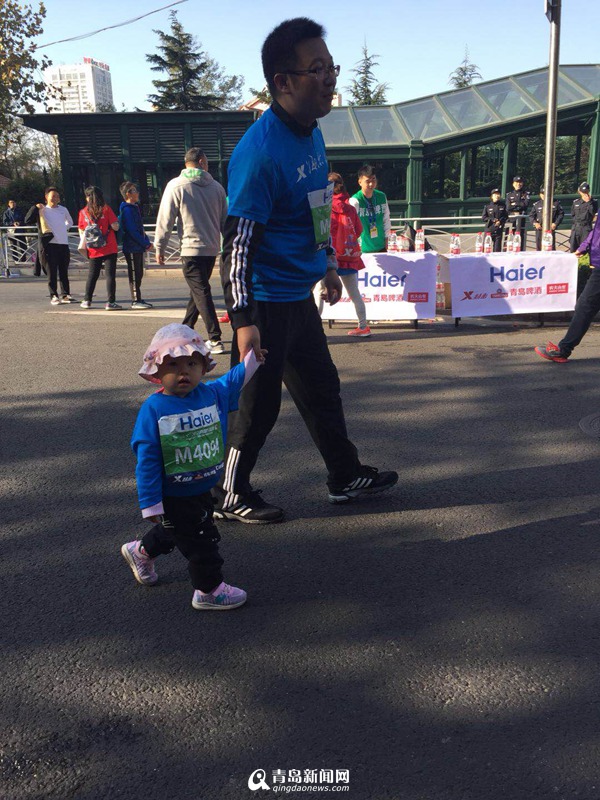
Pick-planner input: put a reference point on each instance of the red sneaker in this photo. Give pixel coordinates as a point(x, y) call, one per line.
point(551, 353)
point(362, 332)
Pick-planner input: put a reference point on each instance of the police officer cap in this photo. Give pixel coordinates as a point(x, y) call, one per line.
point(517, 179)
point(584, 187)
point(495, 191)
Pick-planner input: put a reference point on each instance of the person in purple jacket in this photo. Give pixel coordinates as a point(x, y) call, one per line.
point(587, 306)
point(135, 242)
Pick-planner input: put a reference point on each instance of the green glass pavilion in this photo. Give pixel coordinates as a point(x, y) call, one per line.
point(437, 156)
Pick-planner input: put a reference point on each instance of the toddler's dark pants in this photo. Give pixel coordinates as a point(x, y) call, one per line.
point(188, 525)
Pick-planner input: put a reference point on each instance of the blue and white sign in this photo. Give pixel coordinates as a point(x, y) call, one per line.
point(512, 283)
point(394, 287)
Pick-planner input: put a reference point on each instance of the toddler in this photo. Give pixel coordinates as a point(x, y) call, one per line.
point(179, 442)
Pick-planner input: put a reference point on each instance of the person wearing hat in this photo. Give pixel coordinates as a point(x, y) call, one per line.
point(583, 211)
point(495, 216)
point(537, 219)
point(179, 441)
point(517, 203)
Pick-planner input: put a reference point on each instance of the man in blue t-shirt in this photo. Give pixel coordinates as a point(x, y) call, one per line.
point(276, 248)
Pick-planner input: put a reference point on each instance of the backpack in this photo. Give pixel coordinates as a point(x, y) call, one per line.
point(92, 235)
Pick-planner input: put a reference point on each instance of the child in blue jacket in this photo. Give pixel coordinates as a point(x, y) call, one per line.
point(179, 441)
point(135, 242)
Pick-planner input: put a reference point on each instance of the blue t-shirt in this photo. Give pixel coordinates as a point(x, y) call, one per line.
point(271, 173)
point(180, 442)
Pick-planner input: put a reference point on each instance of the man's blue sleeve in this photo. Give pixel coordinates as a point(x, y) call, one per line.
point(253, 185)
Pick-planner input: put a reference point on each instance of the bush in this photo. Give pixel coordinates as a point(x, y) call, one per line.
point(25, 191)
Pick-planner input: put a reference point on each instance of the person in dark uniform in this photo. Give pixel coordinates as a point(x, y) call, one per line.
point(517, 202)
point(537, 218)
point(13, 218)
point(495, 216)
point(583, 211)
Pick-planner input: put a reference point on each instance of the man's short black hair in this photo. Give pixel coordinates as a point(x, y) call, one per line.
point(367, 171)
point(194, 155)
point(49, 189)
point(279, 48)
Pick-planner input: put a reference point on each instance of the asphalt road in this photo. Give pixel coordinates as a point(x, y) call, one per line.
point(439, 642)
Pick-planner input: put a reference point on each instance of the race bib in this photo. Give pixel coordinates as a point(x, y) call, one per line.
point(320, 208)
point(192, 445)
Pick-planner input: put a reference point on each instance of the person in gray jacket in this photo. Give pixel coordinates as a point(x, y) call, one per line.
point(199, 205)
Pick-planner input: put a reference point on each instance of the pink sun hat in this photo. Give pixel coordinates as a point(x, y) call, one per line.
point(173, 340)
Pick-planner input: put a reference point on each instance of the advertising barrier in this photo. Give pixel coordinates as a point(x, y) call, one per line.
point(394, 287)
point(512, 283)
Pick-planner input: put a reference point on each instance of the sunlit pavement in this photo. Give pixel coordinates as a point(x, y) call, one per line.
point(439, 642)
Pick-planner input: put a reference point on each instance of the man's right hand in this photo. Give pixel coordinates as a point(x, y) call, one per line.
point(248, 338)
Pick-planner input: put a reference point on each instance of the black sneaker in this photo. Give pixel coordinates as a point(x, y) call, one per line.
point(248, 507)
point(368, 481)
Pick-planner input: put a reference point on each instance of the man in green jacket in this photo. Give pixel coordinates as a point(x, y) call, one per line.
point(373, 210)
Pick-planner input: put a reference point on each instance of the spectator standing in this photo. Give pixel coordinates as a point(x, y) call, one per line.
point(135, 241)
point(517, 203)
point(13, 218)
point(98, 224)
point(583, 211)
point(373, 210)
point(495, 215)
point(54, 222)
point(275, 250)
point(537, 218)
point(345, 232)
point(199, 205)
point(588, 303)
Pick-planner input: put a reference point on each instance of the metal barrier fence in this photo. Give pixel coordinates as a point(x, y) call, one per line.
point(18, 246)
point(438, 231)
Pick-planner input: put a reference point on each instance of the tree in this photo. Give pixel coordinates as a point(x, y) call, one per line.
point(364, 89)
point(465, 73)
point(262, 95)
point(20, 86)
point(195, 81)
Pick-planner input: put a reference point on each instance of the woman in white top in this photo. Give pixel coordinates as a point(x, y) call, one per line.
point(55, 222)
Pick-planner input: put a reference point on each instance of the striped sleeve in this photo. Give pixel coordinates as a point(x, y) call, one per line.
point(241, 239)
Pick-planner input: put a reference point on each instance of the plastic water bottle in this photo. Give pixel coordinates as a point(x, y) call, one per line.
point(404, 244)
point(487, 243)
point(456, 244)
point(392, 243)
point(547, 241)
point(510, 242)
point(420, 241)
point(517, 243)
point(479, 243)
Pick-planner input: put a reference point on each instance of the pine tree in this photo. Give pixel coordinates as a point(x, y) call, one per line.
point(464, 75)
point(364, 89)
point(195, 81)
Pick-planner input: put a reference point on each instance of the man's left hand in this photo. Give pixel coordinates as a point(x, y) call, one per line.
point(332, 287)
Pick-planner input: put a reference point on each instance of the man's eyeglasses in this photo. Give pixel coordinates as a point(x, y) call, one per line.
point(318, 72)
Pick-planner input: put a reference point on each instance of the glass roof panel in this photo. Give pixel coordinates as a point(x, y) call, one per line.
point(507, 100)
point(588, 77)
point(537, 85)
point(337, 128)
point(380, 126)
point(467, 109)
point(424, 119)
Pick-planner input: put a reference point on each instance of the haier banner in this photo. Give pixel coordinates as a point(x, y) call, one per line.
point(394, 287)
point(512, 283)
